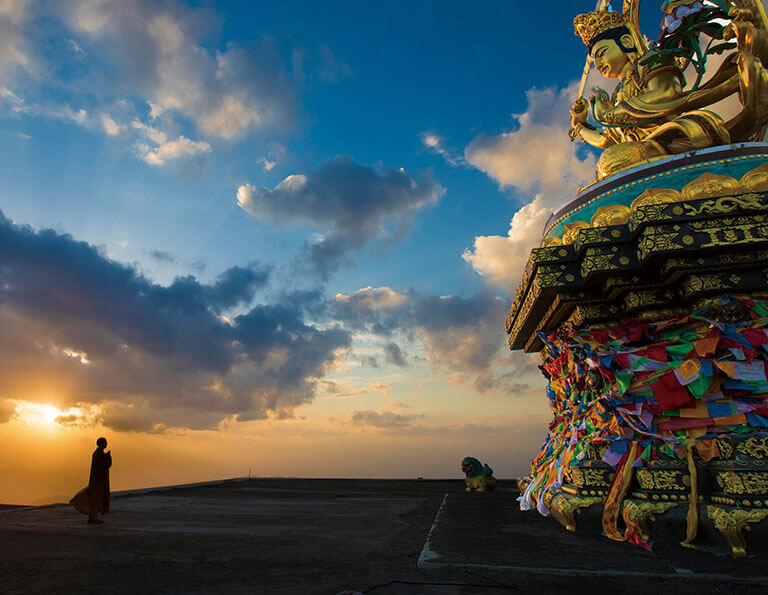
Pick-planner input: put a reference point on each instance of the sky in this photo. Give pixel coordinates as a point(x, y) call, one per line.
point(274, 238)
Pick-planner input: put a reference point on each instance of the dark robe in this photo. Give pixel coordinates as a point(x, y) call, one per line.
point(98, 482)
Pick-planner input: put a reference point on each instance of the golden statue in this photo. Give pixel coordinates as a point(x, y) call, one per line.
point(653, 113)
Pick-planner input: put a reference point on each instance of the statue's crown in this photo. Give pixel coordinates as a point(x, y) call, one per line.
point(592, 24)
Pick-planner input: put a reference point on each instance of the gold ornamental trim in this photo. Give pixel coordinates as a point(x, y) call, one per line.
point(757, 179)
point(732, 523)
point(707, 185)
point(752, 483)
point(657, 479)
point(754, 447)
point(639, 515)
point(565, 508)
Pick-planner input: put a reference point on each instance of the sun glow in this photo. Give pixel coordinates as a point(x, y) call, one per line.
point(44, 415)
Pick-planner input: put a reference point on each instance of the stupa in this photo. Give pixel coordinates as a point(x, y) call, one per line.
point(648, 297)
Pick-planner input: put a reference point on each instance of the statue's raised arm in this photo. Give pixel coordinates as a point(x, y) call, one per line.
point(653, 111)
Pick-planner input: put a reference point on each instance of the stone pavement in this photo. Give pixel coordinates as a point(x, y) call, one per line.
point(330, 536)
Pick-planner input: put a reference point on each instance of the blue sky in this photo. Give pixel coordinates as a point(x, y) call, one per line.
point(277, 218)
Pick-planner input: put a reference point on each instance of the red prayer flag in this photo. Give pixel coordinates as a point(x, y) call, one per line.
point(668, 392)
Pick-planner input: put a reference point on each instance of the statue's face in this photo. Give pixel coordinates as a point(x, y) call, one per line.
point(609, 58)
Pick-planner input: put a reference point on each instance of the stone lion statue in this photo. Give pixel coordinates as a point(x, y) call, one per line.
point(479, 477)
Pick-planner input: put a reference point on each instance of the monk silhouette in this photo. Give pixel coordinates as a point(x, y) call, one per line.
point(98, 482)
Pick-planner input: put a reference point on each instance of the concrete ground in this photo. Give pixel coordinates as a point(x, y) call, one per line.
point(331, 536)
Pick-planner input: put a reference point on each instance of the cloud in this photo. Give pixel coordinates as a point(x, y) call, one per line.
point(538, 161)
point(461, 336)
point(353, 204)
point(538, 153)
point(64, 112)
point(160, 51)
point(14, 54)
point(237, 285)
point(81, 328)
point(380, 419)
point(162, 257)
point(347, 389)
point(501, 259)
point(157, 149)
point(398, 406)
point(332, 68)
point(7, 410)
point(394, 355)
point(111, 127)
point(176, 149)
point(436, 144)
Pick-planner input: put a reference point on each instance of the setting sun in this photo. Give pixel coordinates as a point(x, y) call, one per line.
point(36, 414)
point(42, 414)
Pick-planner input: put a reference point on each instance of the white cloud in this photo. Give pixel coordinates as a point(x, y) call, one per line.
point(538, 154)
point(373, 298)
point(181, 147)
point(13, 51)
point(230, 118)
point(436, 144)
point(156, 135)
point(56, 112)
point(160, 149)
point(536, 159)
point(154, 110)
point(13, 10)
point(111, 127)
point(161, 50)
point(76, 48)
point(501, 259)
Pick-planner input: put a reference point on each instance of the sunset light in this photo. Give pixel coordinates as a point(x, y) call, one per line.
point(44, 415)
point(207, 258)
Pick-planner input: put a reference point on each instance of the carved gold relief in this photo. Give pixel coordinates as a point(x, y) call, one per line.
point(565, 508)
point(547, 498)
point(696, 283)
point(638, 515)
point(596, 235)
point(743, 483)
point(726, 450)
point(637, 299)
point(574, 476)
point(598, 259)
point(655, 196)
point(657, 243)
point(730, 523)
point(725, 204)
point(610, 215)
point(709, 185)
point(754, 447)
point(548, 242)
point(644, 479)
point(757, 179)
point(659, 479)
point(595, 477)
point(522, 314)
point(571, 230)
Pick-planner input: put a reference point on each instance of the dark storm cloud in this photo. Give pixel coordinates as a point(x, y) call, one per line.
point(153, 356)
point(353, 204)
point(394, 355)
point(237, 285)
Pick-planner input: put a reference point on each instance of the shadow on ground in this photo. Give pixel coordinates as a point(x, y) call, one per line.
point(327, 536)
